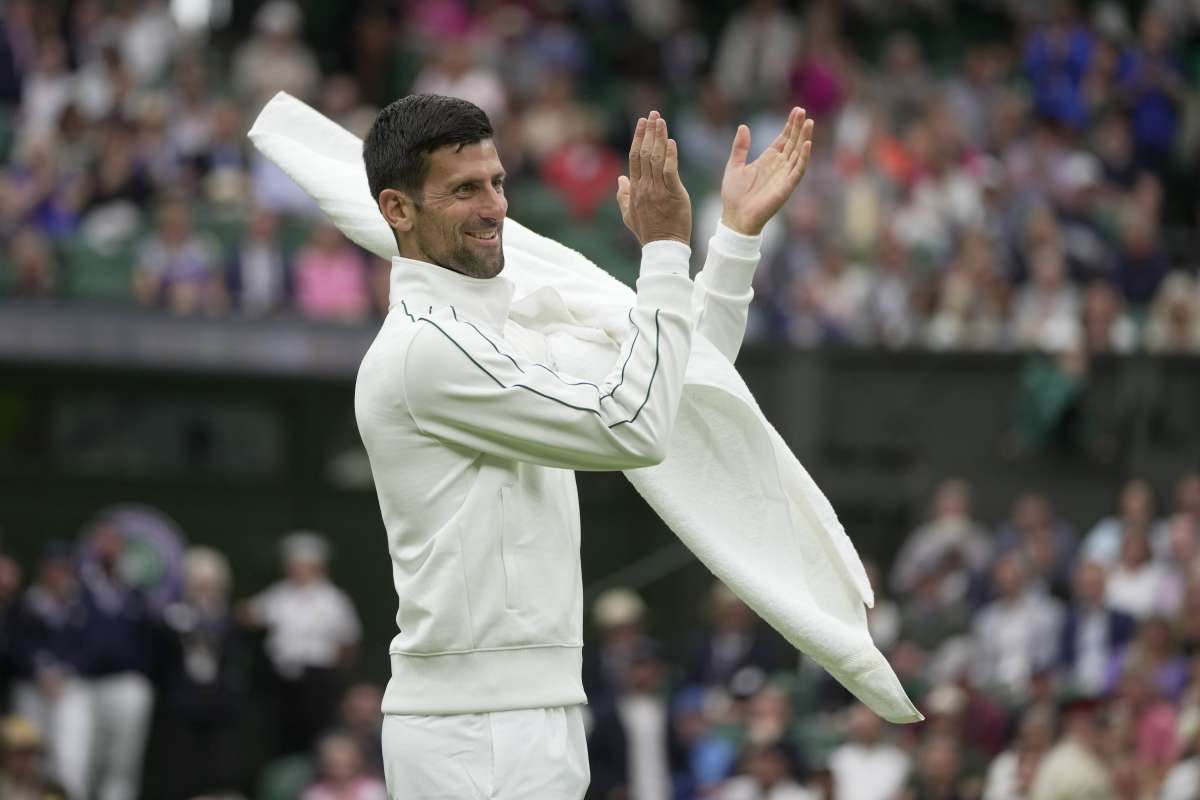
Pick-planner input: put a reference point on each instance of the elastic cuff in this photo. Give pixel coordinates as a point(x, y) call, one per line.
point(738, 245)
point(665, 256)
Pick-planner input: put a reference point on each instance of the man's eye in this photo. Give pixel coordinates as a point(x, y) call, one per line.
point(499, 184)
point(464, 190)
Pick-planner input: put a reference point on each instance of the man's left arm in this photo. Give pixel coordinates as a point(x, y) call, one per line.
point(751, 193)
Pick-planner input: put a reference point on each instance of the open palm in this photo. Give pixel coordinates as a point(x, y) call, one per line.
point(751, 193)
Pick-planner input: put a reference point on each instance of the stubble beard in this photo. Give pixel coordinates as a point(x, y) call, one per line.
point(448, 248)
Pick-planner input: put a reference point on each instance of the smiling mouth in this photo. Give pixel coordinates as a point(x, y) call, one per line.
point(485, 237)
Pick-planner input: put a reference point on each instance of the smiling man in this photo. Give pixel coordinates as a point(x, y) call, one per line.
point(473, 432)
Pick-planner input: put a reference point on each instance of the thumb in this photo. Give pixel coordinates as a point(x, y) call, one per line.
point(741, 146)
point(623, 194)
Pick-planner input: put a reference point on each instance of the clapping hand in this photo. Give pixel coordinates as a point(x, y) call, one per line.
point(752, 193)
point(653, 202)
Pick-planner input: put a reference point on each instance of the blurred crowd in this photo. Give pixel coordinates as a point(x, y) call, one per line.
point(1050, 664)
point(987, 174)
point(98, 669)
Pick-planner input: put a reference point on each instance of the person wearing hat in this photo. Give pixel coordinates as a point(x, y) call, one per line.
point(312, 632)
point(21, 772)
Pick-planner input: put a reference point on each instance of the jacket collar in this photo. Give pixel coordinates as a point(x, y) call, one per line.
point(419, 287)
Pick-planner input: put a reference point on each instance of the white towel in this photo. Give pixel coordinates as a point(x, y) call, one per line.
point(730, 488)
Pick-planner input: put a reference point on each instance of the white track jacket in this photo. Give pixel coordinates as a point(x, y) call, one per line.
point(473, 433)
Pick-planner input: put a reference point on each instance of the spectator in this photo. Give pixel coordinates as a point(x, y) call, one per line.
point(177, 269)
point(259, 279)
point(1141, 261)
point(1010, 775)
point(362, 720)
point(756, 51)
point(1047, 309)
point(203, 681)
point(455, 71)
point(939, 774)
point(950, 537)
point(618, 615)
point(1017, 633)
point(275, 59)
point(1106, 326)
point(737, 639)
point(582, 171)
point(34, 264)
point(331, 278)
point(1043, 539)
point(1092, 633)
point(1075, 767)
point(312, 631)
point(1154, 89)
point(769, 772)
point(632, 748)
point(116, 645)
point(1139, 585)
point(1135, 512)
point(50, 690)
point(341, 773)
point(1174, 325)
point(21, 773)
point(867, 767)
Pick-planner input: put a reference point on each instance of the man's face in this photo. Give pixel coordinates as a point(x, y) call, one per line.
point(459, 219)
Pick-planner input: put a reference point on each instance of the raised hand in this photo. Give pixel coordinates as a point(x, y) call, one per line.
point(653, 202)
point(752, 193)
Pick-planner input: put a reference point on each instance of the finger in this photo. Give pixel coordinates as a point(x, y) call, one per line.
point(741, 146)
point(782, 138)
point(804, 139)
point(792, 145)
point(658, 155)
point(671, 166)
point(801, 166)
point(635, 149)
point(648, 145)
point(623, 197)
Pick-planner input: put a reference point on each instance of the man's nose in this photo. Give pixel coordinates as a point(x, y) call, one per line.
point(495, 204)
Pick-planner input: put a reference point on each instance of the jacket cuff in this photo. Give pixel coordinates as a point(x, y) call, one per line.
point(665, 256)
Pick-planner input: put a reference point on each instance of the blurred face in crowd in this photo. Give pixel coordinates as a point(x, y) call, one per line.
point(768, 766)
point(340, 759)
point(108, 544)
point(1137, 503)
point(1009, 577)
point(457, 221)
point(57, 576)
point(303, 569)
point(1187, 495)
point(953, 500)
point(864, 727)
point(1089, 583)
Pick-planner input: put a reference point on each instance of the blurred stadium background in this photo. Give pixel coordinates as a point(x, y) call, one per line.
point(977, 324)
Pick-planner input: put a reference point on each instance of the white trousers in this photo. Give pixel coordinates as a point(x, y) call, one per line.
point(533, 754)
point(96, 732)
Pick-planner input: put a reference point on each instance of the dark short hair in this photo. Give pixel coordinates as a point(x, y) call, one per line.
point(409, 129)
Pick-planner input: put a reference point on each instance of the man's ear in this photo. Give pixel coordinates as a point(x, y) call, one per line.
point(398, 209)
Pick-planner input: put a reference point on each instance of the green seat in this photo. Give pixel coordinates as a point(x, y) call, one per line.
point(99, 274)
point(285, 779)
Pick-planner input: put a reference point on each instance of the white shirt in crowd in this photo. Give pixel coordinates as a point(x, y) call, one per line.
point(1143, 591)
point(868, 772)
point(746, 788)
point(308, 625)
point(1013, 639)
point(645, 720)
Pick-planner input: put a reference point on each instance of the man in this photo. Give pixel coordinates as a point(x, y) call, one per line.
point(1075, 768)
point(473, 430)
point(312, 633)
point(868, 766)
point(1092, 632)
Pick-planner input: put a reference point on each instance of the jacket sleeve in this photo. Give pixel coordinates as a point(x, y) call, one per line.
point(466, 388)
point(721, 299)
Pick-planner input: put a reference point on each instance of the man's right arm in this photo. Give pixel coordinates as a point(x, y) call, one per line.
point(465, 387)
